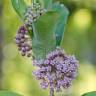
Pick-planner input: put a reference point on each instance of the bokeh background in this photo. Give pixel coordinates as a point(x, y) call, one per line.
point(79, 39)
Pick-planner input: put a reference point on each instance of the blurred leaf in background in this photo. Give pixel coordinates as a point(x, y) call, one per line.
point(8, 93)
point(90, 94)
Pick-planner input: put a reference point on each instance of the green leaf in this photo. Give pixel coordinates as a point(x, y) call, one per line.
point(8, 93)
point(46, 3)
point(63, 16)
point(90, 94)
point(20, 7)
point(44, 39)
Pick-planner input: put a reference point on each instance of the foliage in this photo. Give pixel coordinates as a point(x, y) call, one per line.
point(8, 93)
point(44, 37)
point(48, 30)
point(90, 94)
point(19, 6)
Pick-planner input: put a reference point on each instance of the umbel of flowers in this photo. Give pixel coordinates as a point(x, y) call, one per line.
point(40, 38)
point(56, 71)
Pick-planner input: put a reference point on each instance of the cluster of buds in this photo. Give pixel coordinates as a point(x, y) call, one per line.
point(57, 70)
point(22, 40)
point(32, 14)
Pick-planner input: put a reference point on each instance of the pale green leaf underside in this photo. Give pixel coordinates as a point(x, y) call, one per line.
point(46, 3)
point(63, 16)
point(44, 39)
point(8, 93)
point(90, 94)
point(20, 7)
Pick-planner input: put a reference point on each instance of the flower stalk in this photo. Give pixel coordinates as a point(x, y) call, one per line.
point(52, 92)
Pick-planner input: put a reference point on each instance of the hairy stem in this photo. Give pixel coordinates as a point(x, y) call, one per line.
point(52, 92)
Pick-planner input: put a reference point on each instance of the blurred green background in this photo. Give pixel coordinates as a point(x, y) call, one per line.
point(79, 39)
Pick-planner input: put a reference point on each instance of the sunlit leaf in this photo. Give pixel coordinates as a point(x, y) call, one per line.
point(63, 15)
point(8, 93)
point(44, 39)
point(90, 94)
point(19, 6)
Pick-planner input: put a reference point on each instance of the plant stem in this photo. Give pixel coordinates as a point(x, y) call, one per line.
point(33, 1)
point(52, 92)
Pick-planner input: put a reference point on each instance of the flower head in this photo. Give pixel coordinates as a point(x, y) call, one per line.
point(57, 70)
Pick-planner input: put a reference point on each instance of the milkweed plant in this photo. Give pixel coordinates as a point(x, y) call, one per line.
point(40, 37)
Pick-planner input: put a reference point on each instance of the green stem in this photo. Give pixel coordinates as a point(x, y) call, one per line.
point(33, 1)
point(52, 92)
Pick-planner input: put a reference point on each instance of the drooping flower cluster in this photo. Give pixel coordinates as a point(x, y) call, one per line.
point(57, 70)
point(22, 38)
point(32, 14)
point(23, 42)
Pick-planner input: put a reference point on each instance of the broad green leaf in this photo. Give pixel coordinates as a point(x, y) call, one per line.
point(20, 7)
point(8, 93)
point(46, 3)
point(90, 94)
point(63, 15)
point(44, 39)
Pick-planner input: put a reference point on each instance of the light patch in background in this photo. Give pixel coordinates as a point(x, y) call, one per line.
point(10, 51)
point(9, 67)
point(87, 82)
point(82, 18)
point(18, 83)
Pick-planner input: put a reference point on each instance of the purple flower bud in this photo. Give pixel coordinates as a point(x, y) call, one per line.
point(44, 84)
point(27, 48)
point(23, 53)
point(23, 49)
point(29, 54)
point(17, 41)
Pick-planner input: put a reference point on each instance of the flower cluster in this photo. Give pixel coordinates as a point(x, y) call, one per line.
point(57, 70)
point(33, 12)
point(22, 38)
point(23, 42)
